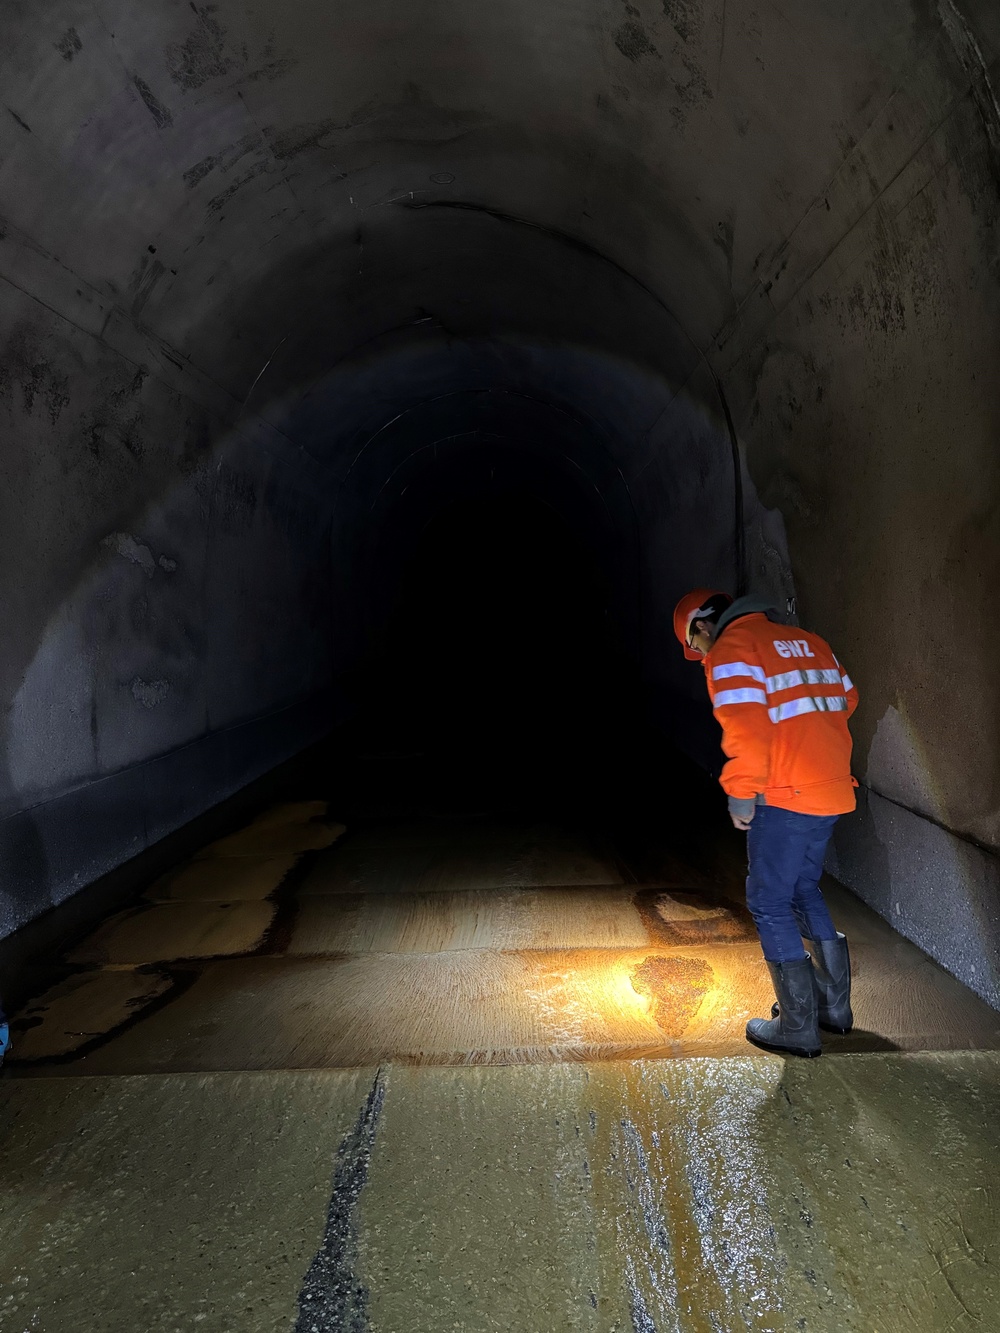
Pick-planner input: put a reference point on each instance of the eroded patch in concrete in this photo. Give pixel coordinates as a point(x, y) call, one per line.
point(289, 828)
point(291, 812)
point(83, 1010)
point(224, 879)
point(275, 841)
point(683, 918)
point(676, 987)
point(163, 932)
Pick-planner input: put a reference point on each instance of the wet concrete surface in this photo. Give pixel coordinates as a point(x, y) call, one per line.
point(683, 1196)
point(372, 1068)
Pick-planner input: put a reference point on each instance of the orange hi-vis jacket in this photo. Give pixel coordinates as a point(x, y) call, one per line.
point(783, 702)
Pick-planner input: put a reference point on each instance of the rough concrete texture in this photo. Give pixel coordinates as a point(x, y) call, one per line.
point(453, 942)
point(885, 851)
point(556, 1186)
point(748, 1194)
point(279, 282)
point(196, 1206)
point(56, 847)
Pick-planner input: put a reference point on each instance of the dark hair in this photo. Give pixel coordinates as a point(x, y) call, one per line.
point(714, 607)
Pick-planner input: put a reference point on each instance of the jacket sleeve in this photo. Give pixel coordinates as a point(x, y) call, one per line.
point(737, 685)
point(850, 689)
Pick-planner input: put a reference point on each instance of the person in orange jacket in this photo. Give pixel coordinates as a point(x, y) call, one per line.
point(783, 702)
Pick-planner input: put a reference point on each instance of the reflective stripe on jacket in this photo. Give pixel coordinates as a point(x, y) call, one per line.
point(783, 702)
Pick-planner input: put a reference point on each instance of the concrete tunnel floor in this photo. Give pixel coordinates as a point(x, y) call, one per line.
point(419, 1058)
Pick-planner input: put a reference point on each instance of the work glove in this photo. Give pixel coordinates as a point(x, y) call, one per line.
point(742, 807)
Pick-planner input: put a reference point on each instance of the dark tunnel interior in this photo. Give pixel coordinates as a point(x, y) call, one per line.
point(715, 291)
point(374, 380)
point(501, 642)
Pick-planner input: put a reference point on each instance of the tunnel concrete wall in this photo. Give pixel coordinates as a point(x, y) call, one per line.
point(862, 369)
point(785, 211)
point(166, 588)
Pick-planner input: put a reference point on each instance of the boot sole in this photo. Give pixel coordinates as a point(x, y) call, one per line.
point(783, 1050)
point(827, 1027)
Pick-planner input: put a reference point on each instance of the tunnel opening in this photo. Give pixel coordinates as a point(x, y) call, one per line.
point(502, 649)
point(505, 679)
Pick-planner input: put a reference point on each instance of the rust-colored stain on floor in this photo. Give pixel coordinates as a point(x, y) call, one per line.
point(676, 987)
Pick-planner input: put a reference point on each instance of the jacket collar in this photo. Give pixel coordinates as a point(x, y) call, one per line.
point(743, 606)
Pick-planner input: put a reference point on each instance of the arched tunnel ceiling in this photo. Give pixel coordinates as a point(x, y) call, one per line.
point(238, 239)
point(191, 163)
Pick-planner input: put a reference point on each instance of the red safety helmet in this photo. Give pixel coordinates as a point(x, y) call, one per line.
point(696, 604)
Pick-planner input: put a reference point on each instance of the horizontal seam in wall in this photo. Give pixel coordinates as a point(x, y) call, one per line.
point(312, 699)
point(984, 847)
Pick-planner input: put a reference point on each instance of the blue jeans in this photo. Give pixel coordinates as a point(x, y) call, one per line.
point(786, 852)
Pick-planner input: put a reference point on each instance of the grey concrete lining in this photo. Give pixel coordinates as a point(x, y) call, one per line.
point(937, 889)
point(56, 847)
